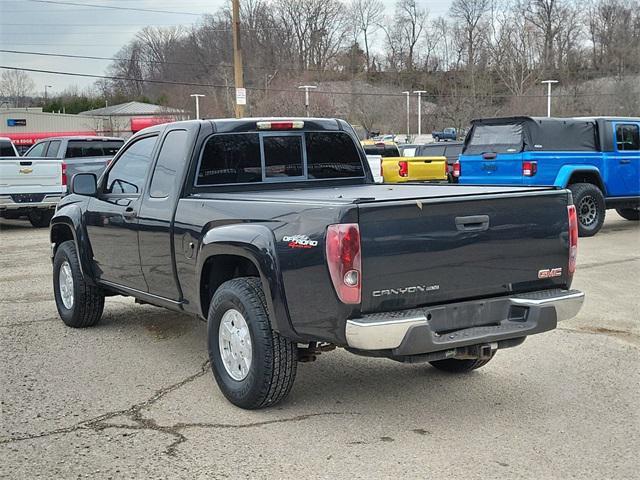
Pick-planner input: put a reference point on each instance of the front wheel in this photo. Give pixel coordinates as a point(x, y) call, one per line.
point(79, 304)
point(590, 207)
point(632, 214)
point(40, 218)
point(253, 365)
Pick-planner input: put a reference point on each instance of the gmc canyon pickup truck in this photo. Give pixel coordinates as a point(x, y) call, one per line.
point(274, 232)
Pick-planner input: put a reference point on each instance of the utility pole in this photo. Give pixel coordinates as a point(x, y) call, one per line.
point(197, 97)
point(408, 106)
point(549, 83)
point(306, 95)
point(45, 92)
point(420, 92)
point(237, 60)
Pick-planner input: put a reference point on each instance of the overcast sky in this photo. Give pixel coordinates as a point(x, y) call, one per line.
point(40, 26)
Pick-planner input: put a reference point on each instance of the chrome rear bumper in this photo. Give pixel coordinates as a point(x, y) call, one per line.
point(442, 327)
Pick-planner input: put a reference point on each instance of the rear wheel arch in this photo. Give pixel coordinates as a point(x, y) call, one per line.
point(587, 176)
point(60, 233)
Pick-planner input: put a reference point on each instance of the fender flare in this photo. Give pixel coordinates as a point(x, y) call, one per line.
point(70, 216)
point(566, 172)
point(256, 243)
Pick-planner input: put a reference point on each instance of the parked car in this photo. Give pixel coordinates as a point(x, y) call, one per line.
point(30, 188)
point(446, 134)
point(88, 154)
point(274, 232)
point(598, 159)
point(7, 148)
point(450, 150)
point(398, 169)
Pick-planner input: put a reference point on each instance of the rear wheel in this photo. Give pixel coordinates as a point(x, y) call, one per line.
point(40, 218)
point(454, 365)
point(590, 207)
point(253, 365)
point(632, 214)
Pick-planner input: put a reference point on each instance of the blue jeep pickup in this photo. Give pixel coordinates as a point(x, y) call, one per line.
point(598, 159)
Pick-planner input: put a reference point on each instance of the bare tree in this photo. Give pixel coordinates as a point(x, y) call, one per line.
point(471, 13)
point(366, 15)
point(16, 85)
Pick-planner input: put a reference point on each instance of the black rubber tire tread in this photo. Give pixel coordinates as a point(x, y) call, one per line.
point(279, 362)
point(40, 218)
point(454, 365)
point(632, 214)
point(88, 303)
point(578, 191)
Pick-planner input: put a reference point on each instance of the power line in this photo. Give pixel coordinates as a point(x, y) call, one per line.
point(291, 90)
point(113, 7)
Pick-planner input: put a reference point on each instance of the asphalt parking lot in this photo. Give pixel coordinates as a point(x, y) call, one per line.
point(134, 396)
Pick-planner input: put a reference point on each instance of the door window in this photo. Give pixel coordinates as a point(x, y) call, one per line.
point(130, 170)
point(38, 150)
point(172, 155)
point(52, 151)
point(230, 158)
point(6, 149)
point(627, 137)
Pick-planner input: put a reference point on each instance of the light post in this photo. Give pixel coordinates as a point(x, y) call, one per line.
point(420, 92)
point(197, 97)
point(408, 105)
point(45, 92)
point(549, 83)
point(306, 95)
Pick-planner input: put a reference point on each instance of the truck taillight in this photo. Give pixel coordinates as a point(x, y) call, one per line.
point(64, 174)
point(573, 238)
point(457, 169)
point(403, 168)
point(529, 169)
point(344, 260)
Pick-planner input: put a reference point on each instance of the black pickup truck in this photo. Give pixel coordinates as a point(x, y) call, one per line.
point(274, 232)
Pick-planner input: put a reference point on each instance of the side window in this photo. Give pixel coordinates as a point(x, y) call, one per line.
point(38, 150)
point(627, 137)
point(172, 155)
point(230, 158)
point(54, 146)
point(6, 149)
point(130, 171)
point(282, 156)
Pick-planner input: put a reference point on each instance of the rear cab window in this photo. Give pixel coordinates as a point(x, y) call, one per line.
point(6, 149)
point(504, 138)
point(249, 158)
point(93, 148)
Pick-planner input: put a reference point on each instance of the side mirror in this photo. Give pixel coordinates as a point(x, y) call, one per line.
point(84, 184)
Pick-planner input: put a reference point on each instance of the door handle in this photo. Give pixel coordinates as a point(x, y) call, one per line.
point(129, 213)
point(474, 223)
point(625, 162)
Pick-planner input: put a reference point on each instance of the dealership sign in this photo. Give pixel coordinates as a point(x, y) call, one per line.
point(16, 122)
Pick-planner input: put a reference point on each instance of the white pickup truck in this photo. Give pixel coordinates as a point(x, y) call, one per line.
point(31, 188)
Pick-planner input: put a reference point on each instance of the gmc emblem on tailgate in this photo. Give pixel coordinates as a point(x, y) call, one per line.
point(550, 273)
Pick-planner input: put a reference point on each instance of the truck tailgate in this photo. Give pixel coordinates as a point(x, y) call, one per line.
point(421, 252)
point(30, 176)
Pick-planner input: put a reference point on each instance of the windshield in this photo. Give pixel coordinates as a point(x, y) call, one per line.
point(495, 138)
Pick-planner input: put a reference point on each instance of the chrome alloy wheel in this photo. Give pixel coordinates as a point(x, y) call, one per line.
point(234, 339)
point(65, 281)
point(587, 210)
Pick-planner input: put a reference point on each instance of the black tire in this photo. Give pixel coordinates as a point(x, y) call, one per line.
point(88, 301)
point(590, 206)
point(273, 358)
point(454, 365)
point(632, 214)
point(40, 218)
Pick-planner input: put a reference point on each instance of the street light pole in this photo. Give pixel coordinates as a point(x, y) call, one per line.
point(306, 95)
point(197, 97)
point(45, 92)
point(420, 92)
point(408, 106)
point(549, 83)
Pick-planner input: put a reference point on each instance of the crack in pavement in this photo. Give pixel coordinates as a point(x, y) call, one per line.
point(628, 337)
point(134, 413)
point(586, 266)
point(30, 322)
